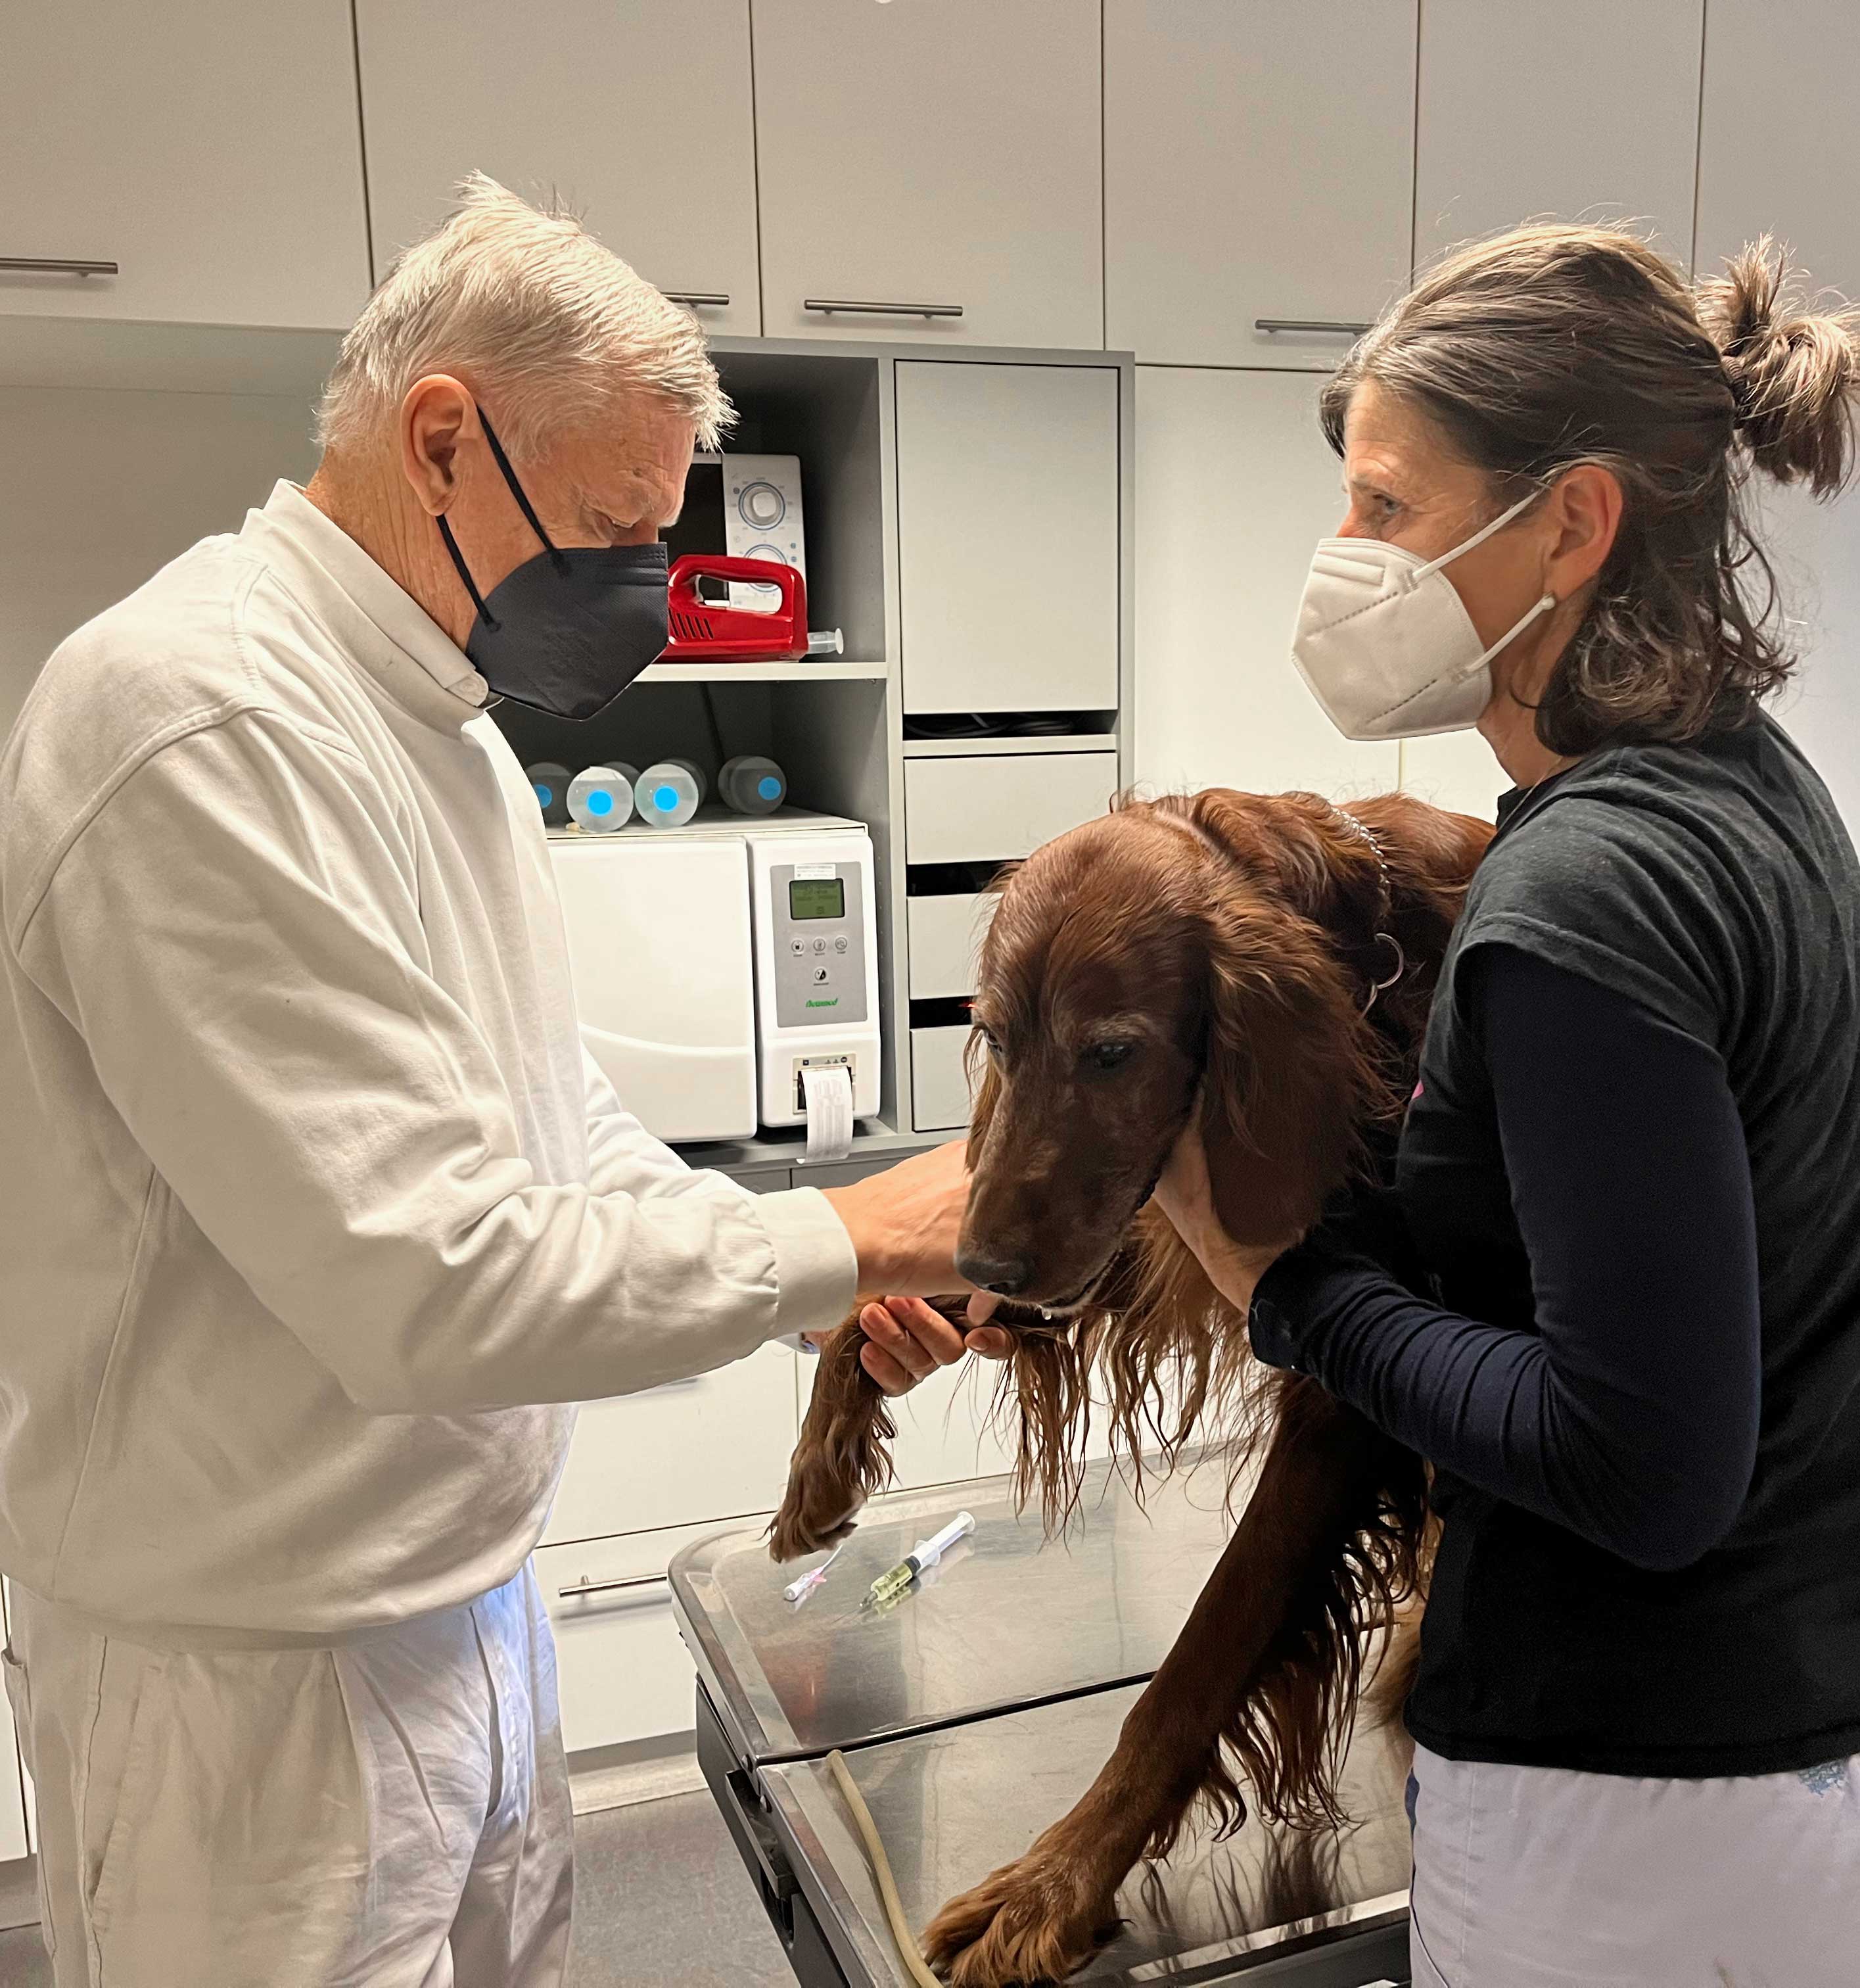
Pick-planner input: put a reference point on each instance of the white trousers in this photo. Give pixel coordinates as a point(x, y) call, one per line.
point(392, 1814)
point(1537, 1877)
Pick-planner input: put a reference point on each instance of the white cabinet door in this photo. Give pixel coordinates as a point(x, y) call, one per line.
point(622, 1669)
point(708, 1449)
point(1007, 536)
point(210, 149)
point(636, 113)
point(1776, 150)
point(991, 808)
point(1234, 486)
point(943, 152)
point(1258, 164)
point(1519, 120)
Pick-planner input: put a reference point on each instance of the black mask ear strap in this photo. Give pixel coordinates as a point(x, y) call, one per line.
point(516, 489)
point(465, 574)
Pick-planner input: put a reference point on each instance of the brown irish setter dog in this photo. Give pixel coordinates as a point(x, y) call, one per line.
point(1236, 954)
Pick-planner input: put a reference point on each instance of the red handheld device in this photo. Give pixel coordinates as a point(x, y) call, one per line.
point(713, 632)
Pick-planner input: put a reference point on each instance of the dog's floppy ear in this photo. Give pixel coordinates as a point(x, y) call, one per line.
point(1292, 1073)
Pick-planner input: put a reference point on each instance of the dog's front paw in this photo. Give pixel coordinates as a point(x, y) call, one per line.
point(814, 1514)
point(1033, 1920)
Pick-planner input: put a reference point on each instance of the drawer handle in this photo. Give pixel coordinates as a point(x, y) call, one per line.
point(612, 1587)
point(829, 305)
point(58, 265)
point(698, 299)
point(1338, 326)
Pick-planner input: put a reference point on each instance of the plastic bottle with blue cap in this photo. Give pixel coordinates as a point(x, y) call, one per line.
point(669, 793)
point(749, 784)
point(600, 798)
point(550, 782)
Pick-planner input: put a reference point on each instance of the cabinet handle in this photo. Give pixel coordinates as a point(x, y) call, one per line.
point(611, 1587)
point(57, 266)
point(698, 299)
point(1335, 325)
point(829, 305)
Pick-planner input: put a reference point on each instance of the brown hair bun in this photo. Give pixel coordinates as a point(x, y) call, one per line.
point(1794, 372)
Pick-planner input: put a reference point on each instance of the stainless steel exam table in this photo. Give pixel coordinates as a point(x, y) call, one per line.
point(976, 1711)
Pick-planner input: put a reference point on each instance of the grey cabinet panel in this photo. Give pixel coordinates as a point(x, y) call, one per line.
point(946, 154)
point(642, 124)
point(1776, 152)
point(209, 149)
point(767, 1180)
point(1518, 120)
point(1008, 531)
point(841, 1173)
point(1258, 164)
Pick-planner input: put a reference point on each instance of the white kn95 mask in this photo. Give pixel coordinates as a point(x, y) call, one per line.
point(1385, 644)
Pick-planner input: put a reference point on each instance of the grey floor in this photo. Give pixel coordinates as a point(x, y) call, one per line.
point(661, 1901)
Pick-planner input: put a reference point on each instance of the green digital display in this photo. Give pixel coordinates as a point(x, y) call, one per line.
point(816, 898)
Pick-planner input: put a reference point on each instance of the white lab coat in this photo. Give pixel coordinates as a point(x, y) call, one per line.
point(307, 1188)
point(308, 1191)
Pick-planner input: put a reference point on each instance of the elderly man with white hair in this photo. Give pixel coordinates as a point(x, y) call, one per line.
point(312, 1208)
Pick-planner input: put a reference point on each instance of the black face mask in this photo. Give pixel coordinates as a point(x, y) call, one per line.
point(569, 629)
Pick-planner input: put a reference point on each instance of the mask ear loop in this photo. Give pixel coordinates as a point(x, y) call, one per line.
point(516, 491)
point(465, 574)
point(535, 524)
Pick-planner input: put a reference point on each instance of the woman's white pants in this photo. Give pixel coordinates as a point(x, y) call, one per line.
point(1537, 1878)
point(391, 1813)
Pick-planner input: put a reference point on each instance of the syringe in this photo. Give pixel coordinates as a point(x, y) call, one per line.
point(927, 1553)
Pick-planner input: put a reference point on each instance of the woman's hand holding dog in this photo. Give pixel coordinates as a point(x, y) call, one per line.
point(1186, 1196)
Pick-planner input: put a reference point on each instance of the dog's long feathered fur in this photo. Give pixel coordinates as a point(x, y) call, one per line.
point(1296, 1080)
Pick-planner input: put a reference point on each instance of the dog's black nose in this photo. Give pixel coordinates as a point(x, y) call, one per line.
point(1005, 1276)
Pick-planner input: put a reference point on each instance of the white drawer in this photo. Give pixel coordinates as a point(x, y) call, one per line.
point(945, 936)
point(993, 806)
point(622, 1670)
point(705, 1449)
point(939, 1080)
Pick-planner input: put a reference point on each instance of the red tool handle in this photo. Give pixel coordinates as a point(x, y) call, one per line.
point(713, 630)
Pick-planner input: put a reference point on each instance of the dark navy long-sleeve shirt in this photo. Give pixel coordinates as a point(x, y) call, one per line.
point(1628, 1410)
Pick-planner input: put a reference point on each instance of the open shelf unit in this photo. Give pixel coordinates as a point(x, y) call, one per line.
point(874, 523)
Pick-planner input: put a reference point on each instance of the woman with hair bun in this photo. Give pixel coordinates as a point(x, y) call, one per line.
point(1632, 1166)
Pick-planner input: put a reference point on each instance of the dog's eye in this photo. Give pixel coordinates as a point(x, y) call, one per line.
point(1110, 1056)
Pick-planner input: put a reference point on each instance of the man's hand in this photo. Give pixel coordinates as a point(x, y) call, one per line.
point(906, 1342)
point(904, 1223)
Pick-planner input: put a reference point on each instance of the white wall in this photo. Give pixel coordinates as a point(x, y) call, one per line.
point(1235, 483)
point(98, 488)
point(1815, 549)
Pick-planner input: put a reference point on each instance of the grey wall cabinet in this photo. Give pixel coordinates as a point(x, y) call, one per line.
point(1519, 118)
point(641, 122)
point(1258, 162)
point(213, 157)
point(945, 155)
